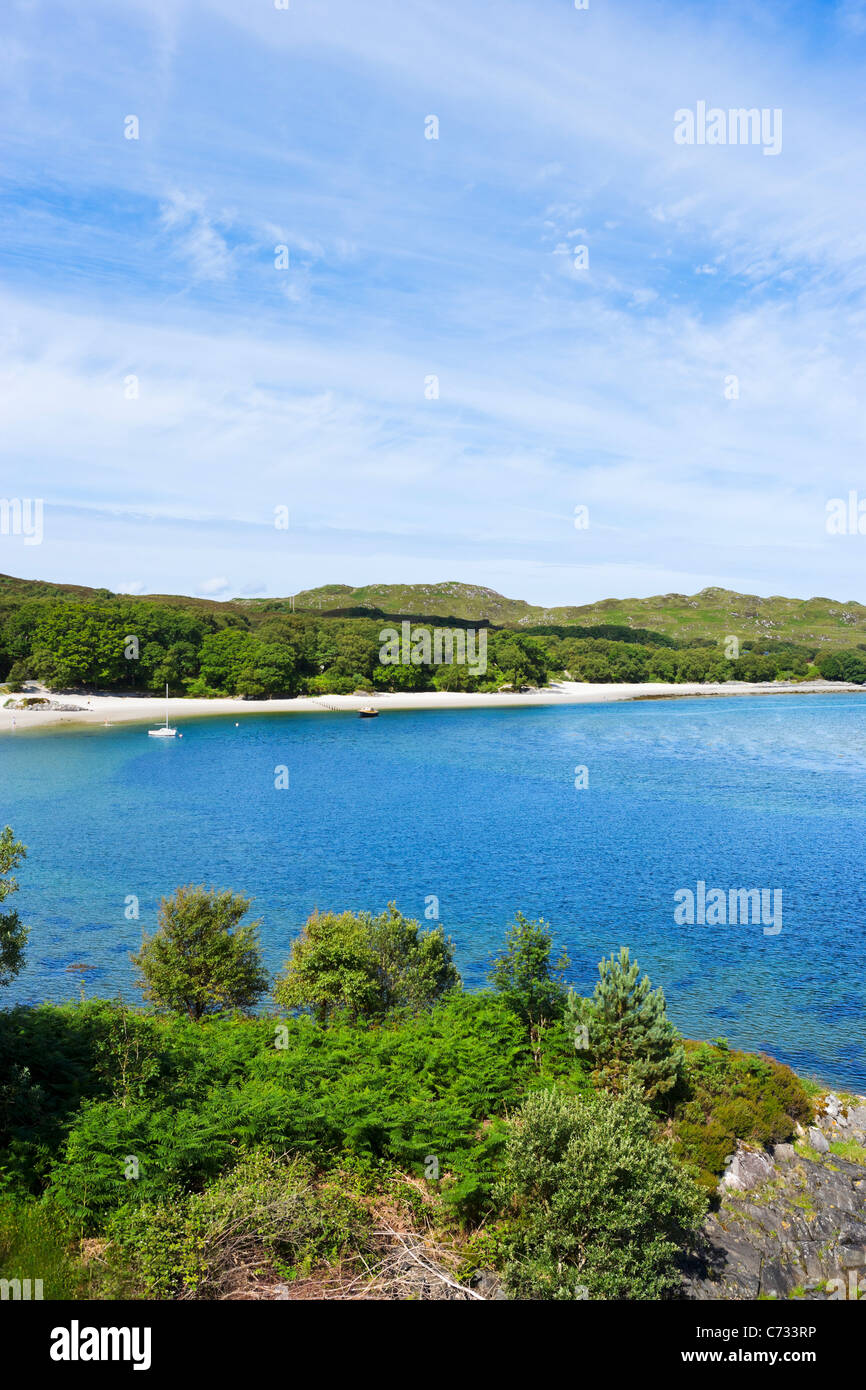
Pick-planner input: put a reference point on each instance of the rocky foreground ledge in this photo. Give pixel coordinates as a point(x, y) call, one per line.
point(791, 1221)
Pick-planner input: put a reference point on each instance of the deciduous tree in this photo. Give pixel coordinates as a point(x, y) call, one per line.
point(13, 932)
point(201, 960)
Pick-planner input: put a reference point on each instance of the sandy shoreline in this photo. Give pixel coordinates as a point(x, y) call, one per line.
point(150, 709)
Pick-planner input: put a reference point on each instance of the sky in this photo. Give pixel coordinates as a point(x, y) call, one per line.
point(438, 377)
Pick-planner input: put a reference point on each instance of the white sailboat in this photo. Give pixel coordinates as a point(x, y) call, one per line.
point(165, 730)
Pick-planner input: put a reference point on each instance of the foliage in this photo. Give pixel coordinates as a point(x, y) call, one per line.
point(625, 1030)
point(265, 1211)
point(330, 968)
point(34, 1244)
point(366, 966)
point(845, 665)
point(599, 1207)
point(524, 976)
point(13, 932)
point(85, 1087)
point(397, 1094)
point(54, 1058)
point(70, 637)
point(201, 960)
point(727, 1095)
point(198, 1141)
point(71, 643)
point(240, 664)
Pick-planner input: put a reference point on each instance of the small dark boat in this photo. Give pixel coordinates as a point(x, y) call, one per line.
point(368, 712)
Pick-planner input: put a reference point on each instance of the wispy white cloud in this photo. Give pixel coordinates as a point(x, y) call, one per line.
point(411, 259)
point(195, 236)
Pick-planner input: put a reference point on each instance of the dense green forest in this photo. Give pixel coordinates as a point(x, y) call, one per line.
point(566, 1147)
point(71, 639)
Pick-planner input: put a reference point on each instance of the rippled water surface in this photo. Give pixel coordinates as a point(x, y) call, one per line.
point(480, 809)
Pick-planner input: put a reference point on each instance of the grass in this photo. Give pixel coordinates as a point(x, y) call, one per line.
point(850, 1149)
point(34, 1245)
point(806, 1151)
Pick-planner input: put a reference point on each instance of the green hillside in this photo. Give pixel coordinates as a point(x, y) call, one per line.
point(454, 600)
point(713, 613)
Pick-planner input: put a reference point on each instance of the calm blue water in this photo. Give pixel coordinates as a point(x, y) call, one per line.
point(479, 808)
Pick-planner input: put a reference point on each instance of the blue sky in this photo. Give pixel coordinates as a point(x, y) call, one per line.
point(559, 386)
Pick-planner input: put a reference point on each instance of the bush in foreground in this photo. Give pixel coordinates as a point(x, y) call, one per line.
point(599, 1206)
point(396, 1094)
point(267, 1212)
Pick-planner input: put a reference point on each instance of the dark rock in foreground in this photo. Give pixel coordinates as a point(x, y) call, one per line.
point(791, 1222)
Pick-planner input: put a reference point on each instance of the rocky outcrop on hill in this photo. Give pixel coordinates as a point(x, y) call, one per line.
point(791, 1221)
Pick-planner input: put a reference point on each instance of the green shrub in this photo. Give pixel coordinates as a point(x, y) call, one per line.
point(266, 1211)
point(729, 1095)
point(366, 967)
point(598, 1206)
point(120, 1153)
point(202, 960)
point(524, 976)
point(52, 1058)
point(393, 1095)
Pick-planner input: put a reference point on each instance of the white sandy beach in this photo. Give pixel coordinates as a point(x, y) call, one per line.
point(109, 710)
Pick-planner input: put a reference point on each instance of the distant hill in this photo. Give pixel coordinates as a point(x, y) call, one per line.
point(713, 613)
point(19, 589)
point(470, 601)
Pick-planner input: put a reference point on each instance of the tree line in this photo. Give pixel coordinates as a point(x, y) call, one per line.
point(117, 643)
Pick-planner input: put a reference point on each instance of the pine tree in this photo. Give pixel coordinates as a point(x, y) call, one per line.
point(624, 1030)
